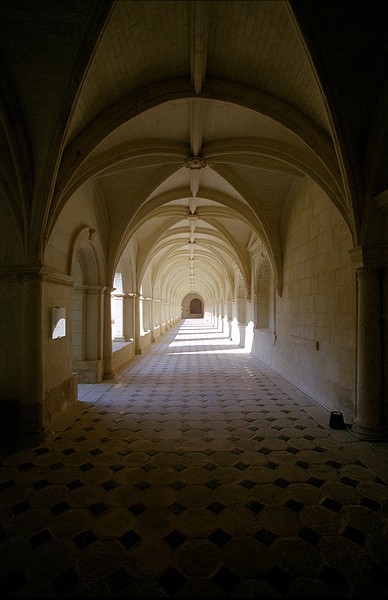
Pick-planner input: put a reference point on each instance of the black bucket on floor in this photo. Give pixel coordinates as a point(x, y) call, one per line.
point(336, 420)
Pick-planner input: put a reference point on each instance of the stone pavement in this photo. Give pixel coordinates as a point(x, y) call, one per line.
point(197, 473)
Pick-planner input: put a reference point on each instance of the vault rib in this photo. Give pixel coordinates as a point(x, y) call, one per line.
point(199, 44)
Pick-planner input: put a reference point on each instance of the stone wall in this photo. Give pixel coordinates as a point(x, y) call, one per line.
point(313, 343)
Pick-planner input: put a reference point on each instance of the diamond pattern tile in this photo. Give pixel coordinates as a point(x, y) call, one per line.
point(309, 535)
point(226, 579)
point(265, 536)
point(279, 578)
point(118, 581)
point(66, 581)
point(175, 538)
point(332, 504)
point(216, 507)
point(40, 538)
point(84, 538)
point(219, 537)
point(172, 581)
point(193, 447)
point(129, 539)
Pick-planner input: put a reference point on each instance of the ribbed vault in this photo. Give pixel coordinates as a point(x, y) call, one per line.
point(169, 109)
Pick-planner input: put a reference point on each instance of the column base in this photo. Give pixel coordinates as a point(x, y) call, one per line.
point(366, 434)
point(109, 376)
point(33, 430)
point(34, 439)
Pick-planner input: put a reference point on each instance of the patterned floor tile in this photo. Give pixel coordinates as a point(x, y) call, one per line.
point(195, 475)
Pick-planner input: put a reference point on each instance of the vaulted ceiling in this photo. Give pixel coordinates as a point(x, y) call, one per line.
point(193, 121)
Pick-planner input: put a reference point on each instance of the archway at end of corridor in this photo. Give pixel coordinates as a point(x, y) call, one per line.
point(192, 307)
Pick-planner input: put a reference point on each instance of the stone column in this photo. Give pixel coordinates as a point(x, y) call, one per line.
point(241, 319)
point(222, 317)
point(107, 336)
point(382, 205)
point(152, 318)
point(368, 421)
point(168, 315)
point(138, 324)
point(32, 417)
point(229, 317)
point(133, 316)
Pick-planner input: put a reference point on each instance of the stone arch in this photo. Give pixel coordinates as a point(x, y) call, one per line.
point(192, 306)
point(87, 309)
point(196, 307)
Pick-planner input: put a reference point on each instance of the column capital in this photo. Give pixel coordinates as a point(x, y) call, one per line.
point(279, 288)
point(34, 271)
point(94, 289)
point(371, 257)
point(382, 200)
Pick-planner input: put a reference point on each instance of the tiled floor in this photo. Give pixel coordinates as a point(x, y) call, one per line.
point(197, 473)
